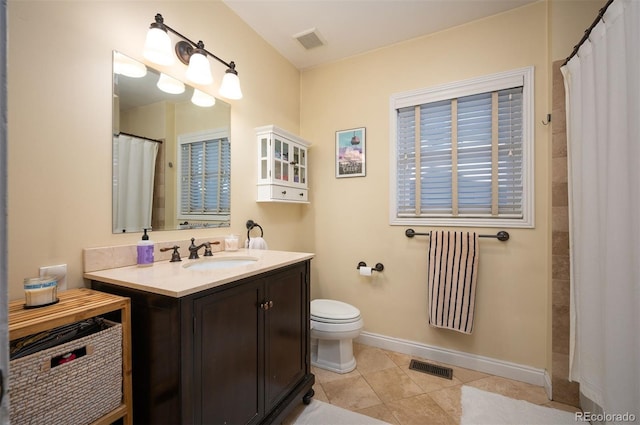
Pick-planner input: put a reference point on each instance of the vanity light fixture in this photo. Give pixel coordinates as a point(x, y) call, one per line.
point(200, 98)
point(199, 70)
point(169, 84)
point(128, 67)
point(157, 46)
point(157, 49)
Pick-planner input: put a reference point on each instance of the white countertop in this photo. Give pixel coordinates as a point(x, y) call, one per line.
point(174, 280)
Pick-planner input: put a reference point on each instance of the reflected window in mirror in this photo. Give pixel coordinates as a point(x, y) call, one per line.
point(204, 164)
point(141, 109)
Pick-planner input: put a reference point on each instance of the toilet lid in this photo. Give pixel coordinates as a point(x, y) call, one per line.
point(332, 309)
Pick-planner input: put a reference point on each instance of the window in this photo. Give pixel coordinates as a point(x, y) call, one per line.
point(462, 153)
point(204, 186)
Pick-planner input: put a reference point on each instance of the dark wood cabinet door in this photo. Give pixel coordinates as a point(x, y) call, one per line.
point(228, 348)
point(285, 328)
point(157, 352)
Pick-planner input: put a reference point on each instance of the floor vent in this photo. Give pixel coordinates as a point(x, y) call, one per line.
point(431, 369)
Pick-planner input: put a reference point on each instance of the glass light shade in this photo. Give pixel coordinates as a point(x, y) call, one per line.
point(170, 85)
point(230, 87)
point(127, 66)
point(200, 98)
point(157, 47)
point(199, 70)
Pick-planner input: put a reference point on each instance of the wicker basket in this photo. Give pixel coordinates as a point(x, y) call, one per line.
point(75, 392)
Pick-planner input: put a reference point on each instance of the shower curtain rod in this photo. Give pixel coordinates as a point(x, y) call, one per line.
point(139, 137)
point(587, 33)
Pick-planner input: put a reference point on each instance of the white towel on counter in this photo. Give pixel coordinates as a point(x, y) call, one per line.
point(256, 243)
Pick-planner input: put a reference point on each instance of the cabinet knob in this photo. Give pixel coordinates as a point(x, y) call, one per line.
point(266, 305)
point(284, 192)
point(301, 194)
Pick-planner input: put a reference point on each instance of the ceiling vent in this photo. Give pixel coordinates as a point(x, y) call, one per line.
point(309, 39)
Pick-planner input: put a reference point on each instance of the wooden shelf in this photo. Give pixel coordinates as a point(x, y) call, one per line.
point(76, 305)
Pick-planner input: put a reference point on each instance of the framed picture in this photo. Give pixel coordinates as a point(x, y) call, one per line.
point(350, 153)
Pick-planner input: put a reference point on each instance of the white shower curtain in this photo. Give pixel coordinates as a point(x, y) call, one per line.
point(603, 128)
point(134, 162)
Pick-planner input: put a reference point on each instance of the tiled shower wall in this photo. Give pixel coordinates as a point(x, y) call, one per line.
point(157, 214)
point(563, 390)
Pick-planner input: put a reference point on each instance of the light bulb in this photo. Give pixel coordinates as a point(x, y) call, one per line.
point(170, 85)
point(230, 87)
point(203, 99)
point(157, 47)
point(127, 66)
point(199, 70)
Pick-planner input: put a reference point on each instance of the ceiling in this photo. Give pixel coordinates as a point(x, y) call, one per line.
point(351, 27)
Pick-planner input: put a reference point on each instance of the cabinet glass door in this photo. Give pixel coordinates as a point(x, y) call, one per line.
point(299, 165)
point(264, 156)
point(281, 160)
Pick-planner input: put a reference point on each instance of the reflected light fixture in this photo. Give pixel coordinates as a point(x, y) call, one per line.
point(128, 67)
point(200, 98)
point(169, 84)
point(158, 50)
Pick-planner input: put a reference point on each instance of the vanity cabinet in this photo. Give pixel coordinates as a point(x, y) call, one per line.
point(282, 166)
point(234, 354)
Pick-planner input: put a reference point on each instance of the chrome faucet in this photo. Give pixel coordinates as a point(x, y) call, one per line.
point(193, 249)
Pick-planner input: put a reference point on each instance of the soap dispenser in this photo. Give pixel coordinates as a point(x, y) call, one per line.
point(145, 251)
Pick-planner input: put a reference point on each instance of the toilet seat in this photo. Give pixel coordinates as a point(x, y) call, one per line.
point(332, 311)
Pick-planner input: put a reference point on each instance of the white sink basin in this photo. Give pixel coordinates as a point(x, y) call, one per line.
point(216, 263)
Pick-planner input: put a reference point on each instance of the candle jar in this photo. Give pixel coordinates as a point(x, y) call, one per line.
point(40, 291)
point(231, 243)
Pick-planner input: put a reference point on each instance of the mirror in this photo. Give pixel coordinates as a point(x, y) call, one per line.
point(171, 157)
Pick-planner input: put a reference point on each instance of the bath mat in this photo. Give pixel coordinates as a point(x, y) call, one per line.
point(485, 408)
point(321, 413)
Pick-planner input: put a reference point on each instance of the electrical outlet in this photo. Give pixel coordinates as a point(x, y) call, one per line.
point(60, 271)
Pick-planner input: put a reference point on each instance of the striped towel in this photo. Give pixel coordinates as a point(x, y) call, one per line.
point(453, 271)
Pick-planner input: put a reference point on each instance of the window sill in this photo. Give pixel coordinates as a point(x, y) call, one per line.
point(463, 222)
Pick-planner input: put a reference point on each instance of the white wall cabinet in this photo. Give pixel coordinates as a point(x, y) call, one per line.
point(282, 166)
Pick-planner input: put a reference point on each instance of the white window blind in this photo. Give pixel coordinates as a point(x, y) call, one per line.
point(205, 184)
point(462, 160)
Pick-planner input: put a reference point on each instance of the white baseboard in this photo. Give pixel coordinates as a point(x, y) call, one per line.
point(496, 367)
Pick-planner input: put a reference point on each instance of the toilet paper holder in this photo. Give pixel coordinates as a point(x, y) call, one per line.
point(378, 268)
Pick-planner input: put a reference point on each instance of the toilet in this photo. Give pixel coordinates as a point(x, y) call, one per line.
point(334, 325)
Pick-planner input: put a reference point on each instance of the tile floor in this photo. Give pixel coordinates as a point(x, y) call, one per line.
point(383, 386)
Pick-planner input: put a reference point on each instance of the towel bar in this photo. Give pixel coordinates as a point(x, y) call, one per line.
point(502, 235)
point(250, 225)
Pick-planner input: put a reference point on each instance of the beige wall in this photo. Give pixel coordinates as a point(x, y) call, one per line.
point(60, 155)
point(351, 216)
point(569, 20)
point(59, 159)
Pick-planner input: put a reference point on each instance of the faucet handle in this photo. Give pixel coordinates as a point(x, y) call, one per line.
point(207, 248)
point(175, 255)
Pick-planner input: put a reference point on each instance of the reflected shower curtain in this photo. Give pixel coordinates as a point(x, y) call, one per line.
point(134, 162)
point(602, 85)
